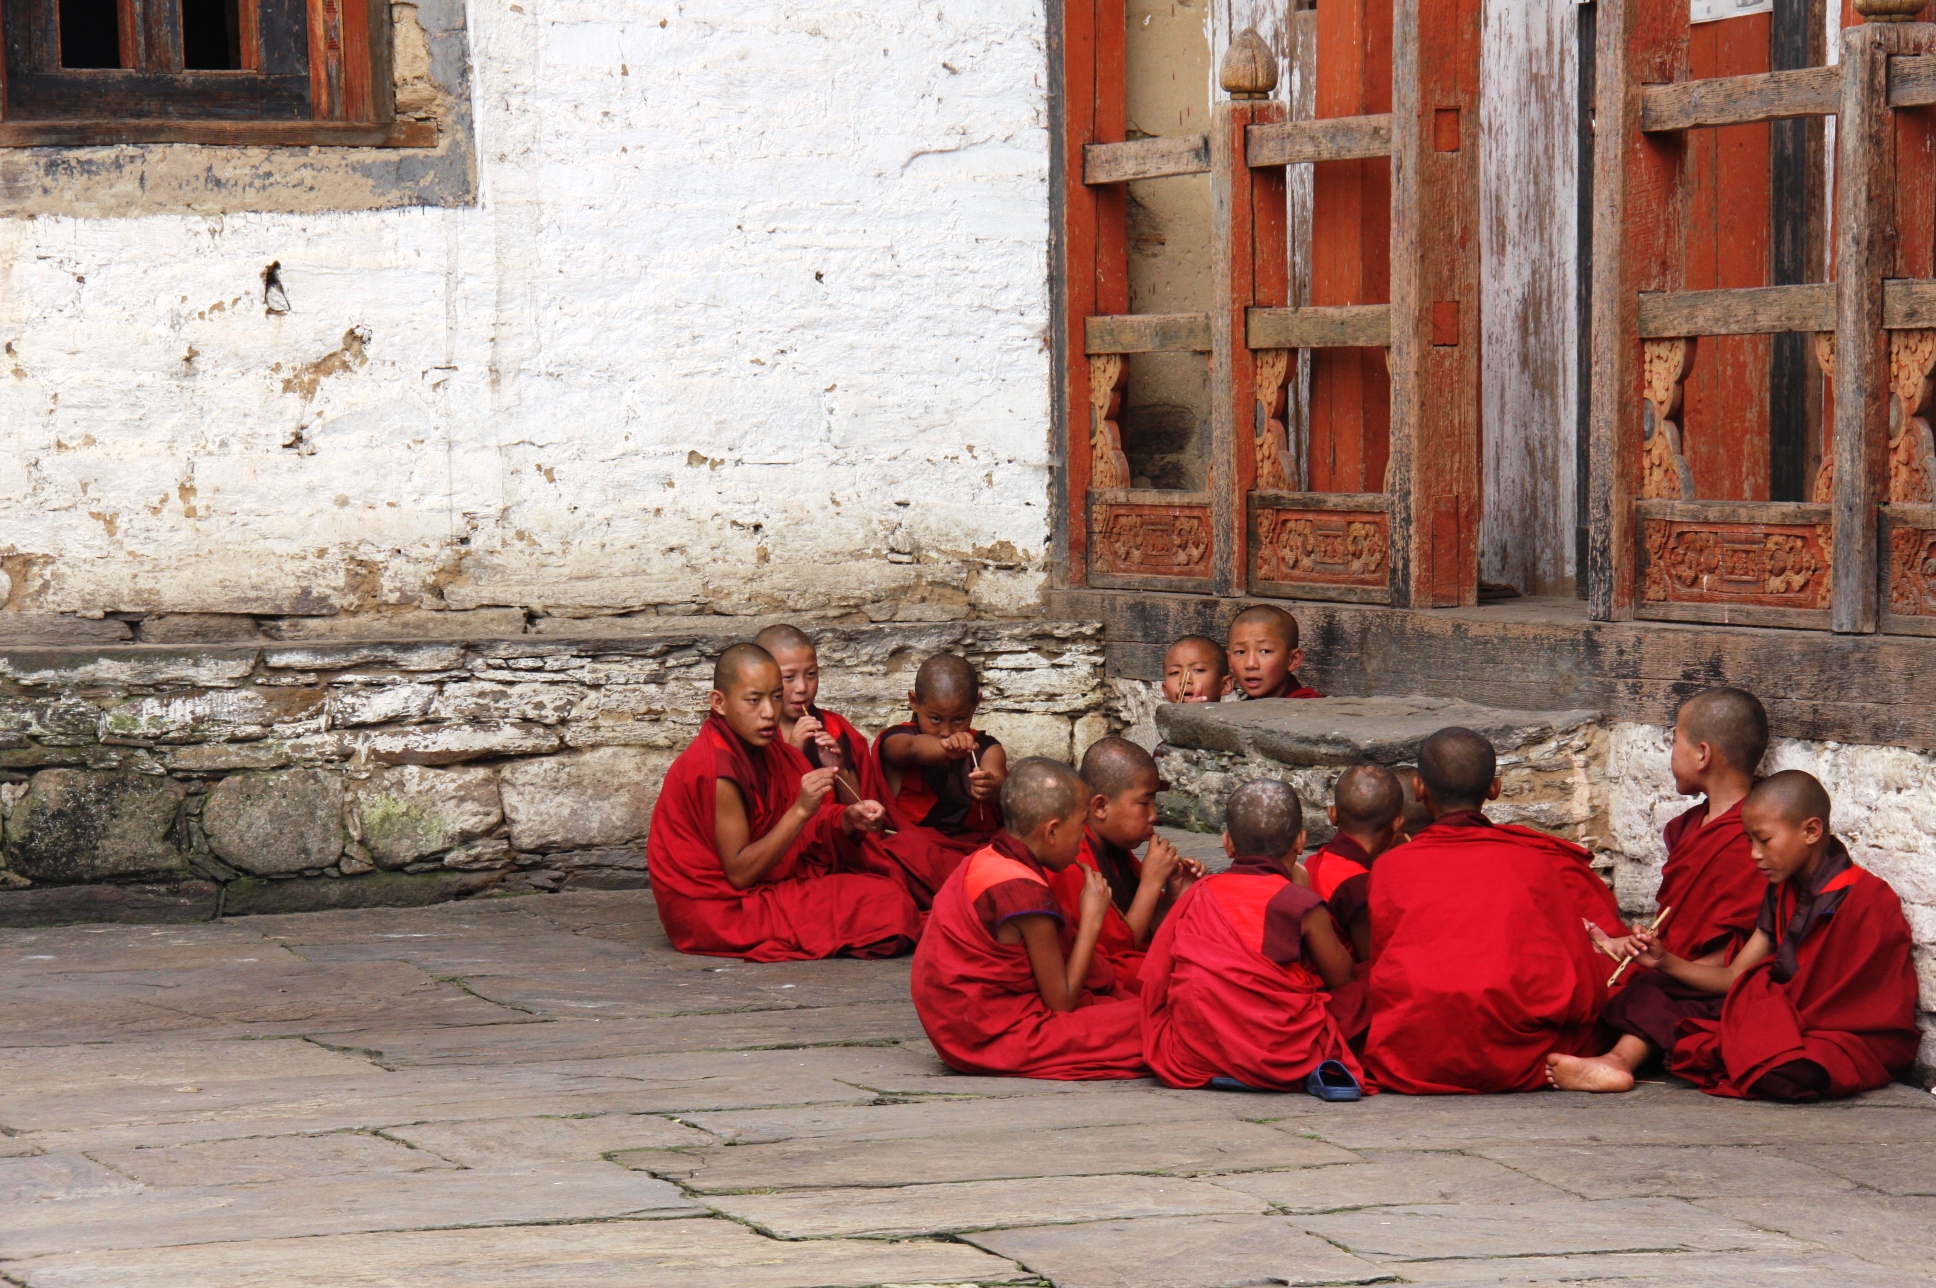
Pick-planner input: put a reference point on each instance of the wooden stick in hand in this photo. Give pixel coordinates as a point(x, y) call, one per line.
point(1621, 969)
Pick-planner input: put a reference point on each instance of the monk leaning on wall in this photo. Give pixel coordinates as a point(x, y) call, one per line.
point(752, 855)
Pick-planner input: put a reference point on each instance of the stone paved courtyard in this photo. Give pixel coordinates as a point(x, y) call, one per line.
point(538, 1091)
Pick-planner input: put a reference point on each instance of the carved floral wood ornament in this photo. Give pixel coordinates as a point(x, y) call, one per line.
point(1825, 473)
point(1146, 540)
point(1912, 452)
point(1108, 467)
point(1274, 469)
point(1737, 563)
point(1664, 367)
point(1323, 547)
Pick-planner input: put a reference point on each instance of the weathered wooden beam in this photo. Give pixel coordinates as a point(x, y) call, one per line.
point(1147, 333)
point(1337, 138)
point(1343, 326)
point(1155, 158)
point(1733, 100)
point(313, 134)
point(1753, 310)
point(1908, 305)
point(1774, 96)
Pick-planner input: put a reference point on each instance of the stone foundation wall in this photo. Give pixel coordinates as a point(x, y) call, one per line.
point(182, 783)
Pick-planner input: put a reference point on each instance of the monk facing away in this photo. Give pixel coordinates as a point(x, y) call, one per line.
point(1196, 669)
point(1264, 654)
point(1481, 965)
point(826, 738)
point(1121, 784)
point(1710, 889)
point(1002, 982)
point(943, 778)
point(1367, 809)
point(750, 854)
point(1821, 1000)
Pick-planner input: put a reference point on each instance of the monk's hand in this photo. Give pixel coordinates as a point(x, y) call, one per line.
point(816, 785)
point(1648, 951)
point(1618, 949)
point(827, 751)
point(983, 785)
point(865, 816)
point(960, 745)
point(1160, 861)
point(1095, 899)
point(804, 731)
point(1188, 873)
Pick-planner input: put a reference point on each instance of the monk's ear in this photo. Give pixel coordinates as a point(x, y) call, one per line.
point(1492, 792)
point(716, 703)
point(1298, 847)
point(1098, 805)
point(1296, 659)
point(1229, 682)
point(1813, 831)
point(1331, 812)
point(1229, 849)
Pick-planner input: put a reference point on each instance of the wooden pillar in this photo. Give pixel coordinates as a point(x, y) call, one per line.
point(1638, 216)
point(1434, 476)
point(1250, 267)
point(1094, 247)
point(1869, 248)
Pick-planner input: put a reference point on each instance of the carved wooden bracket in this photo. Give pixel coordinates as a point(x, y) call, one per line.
point(1912, 451)
point(1825, 473)
point(1664, 366)
point(1274, 471)
point(1108, 467)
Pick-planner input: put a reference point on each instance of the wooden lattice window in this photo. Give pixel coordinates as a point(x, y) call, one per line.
point(200, 71)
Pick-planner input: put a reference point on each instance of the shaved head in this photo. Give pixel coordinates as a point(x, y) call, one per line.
point(1113, 766)
point(1795, 797)
point(1731, 721)
point(1458, 767)
point(1037, 790)
point(783, 639)
point(736, 662)
point(1268, 615)
point(1368, 797)
point(1204, 644)
point(1263, 818)
point(948, 679)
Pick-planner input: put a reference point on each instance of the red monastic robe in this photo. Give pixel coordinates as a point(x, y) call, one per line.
point(1124, 871)
point(1712, 884)
point(1340, 873)
point(977, 998)
point(1592, 897)
point(1839, 991)
point(1226, 992)
point(937, 823)
point(1480, 965)
point(819, 901)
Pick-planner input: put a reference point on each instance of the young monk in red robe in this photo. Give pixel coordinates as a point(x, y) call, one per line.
point(1264, 655)
point(1004, 985)
point(826, 738)
point(750, 854)
point(1122, 783)
point(1196, 669)
point(943, 778)
point(1367, 809)
point(1710, 882)
point(1819, 1003)
point(1480, 962)
point(1235, 982)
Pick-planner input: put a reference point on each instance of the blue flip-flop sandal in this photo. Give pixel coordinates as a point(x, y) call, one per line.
point(1332, 1081)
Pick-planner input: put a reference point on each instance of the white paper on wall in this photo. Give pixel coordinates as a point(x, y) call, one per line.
point(1715, 10)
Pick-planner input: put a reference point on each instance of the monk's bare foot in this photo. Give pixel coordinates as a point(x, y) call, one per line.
point(1577, 1073)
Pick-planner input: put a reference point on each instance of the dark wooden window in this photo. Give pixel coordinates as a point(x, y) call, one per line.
point(202, 71)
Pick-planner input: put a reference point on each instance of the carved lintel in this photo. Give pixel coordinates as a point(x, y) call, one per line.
point(1912, 453)
point(1108, 467)
point(1274, 473)
point(1151, 540)
point(1325, 547)
point(1664, 366)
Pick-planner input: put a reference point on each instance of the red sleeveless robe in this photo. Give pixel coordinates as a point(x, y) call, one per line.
point(976, 996)
point(1480, 965)
point(936, 824)
point(1226, 994)
point(1840, 991)
point(819, 901)
point(1711, 882)
point(1117, 942)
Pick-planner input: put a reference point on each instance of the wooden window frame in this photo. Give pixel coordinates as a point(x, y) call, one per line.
point(315, 72)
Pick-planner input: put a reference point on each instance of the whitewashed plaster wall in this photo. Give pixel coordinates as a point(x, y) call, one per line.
point(751, 312)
